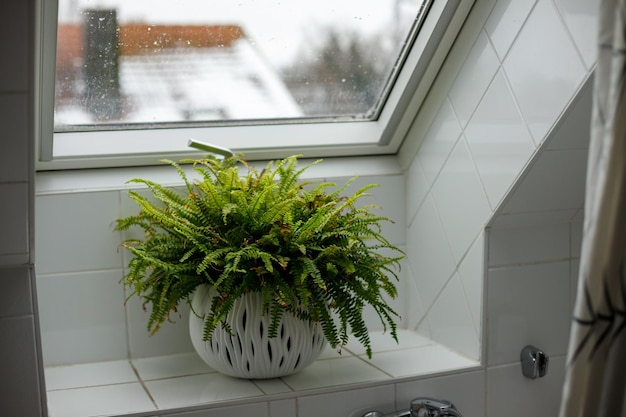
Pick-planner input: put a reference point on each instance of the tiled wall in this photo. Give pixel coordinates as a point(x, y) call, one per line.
point(20, 393)
point(83, 314)
point(528, 61)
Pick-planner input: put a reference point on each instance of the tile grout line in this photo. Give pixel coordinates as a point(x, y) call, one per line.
point(143, 385)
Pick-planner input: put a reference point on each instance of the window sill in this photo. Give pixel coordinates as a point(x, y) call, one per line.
point(55, 182)
point(179, 383)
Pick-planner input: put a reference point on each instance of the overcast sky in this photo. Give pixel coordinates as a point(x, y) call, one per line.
point(277, 27)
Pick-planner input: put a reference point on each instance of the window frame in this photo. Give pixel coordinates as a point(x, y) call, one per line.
point(311, 138)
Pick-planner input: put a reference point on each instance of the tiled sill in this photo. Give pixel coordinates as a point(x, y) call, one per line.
point(170, 384)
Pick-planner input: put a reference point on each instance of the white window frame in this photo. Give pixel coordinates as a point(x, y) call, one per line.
point(115, 148)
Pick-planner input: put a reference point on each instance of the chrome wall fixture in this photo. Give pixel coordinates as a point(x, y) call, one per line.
point(534, 362)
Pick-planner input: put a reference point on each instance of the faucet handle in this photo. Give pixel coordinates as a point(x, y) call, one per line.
point(430, 407)
point(534, 362)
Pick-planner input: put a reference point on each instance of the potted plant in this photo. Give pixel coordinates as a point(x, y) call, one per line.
point(268, 248)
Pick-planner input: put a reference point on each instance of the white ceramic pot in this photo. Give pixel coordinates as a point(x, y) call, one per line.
point(248, 352)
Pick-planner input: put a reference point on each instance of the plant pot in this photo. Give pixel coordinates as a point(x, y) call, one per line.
point(248, 352)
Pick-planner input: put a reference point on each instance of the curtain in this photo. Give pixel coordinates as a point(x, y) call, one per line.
point(596, 365)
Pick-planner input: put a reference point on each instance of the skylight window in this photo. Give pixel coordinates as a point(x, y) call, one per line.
point(136, 79)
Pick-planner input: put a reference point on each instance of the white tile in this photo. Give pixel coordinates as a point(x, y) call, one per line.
point(282, 408)
point(581, 17)
point(466, 390)
point(505, 21)
point(415, 307)
point(573, 131)
point(451, 320)
point(256, 409)
point(14, 149)
point(74, 232)
point(159, 367)
point(461, 201)
point(439, 141)
point(82, 317)
point(555, 181)
point(549, 217)
point(20, 374)
point(98, 401)
point(472, 273)
point(544, 84)
point(14, 218)
point(421, 360)
point(332, 372)
point(529, 244)
point(576, 232)
point(389, 201)
point(474, 77)
point(416, 189)
point(518, 301)
point(513, 395)
point(352, 403)
point(383, 342)
point(172, 338)
point(89, 375)
point(429, 254)
point(272, 386)
point(499, 140)
point(16, 297)
point(574, 278)
point(199, 389)
point(15, 45)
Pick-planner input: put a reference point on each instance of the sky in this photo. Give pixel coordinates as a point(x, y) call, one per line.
point(278, 28)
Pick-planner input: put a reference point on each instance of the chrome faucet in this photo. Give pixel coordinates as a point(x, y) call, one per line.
point(422, 407)
point(430, 407)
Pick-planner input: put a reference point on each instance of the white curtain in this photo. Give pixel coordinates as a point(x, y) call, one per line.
point(595, 382)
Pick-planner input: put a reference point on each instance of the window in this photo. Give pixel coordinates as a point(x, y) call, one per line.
point(126, 83)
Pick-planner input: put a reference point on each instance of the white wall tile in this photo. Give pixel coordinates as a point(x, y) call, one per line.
point(439, 141)
point(82, 317)
point(576, 238)
point(556, 181)
point(14, 114)
point(529, 244)
point(14, 219)
point(581, 17)
point(513, 395)
point(505, 21)
point(347, 403)
point(416, 189)
point(256, 409)
point(15, 45)
point(451, 320)
point(472, 273)
point(461, 201)
point(199, 389)
point(519, 302)
point(499, 140)
point(574, 130)
point(390, 198)
point(172, 337)
point(20, 387)
point(102, 400)
point(282, 408)
point(545, 83)
point(429, 253)
point(75, 232)
point(474, 78)
point(16, 295)
point(465, 390)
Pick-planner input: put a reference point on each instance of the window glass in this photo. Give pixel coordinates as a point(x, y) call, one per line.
point(124, 64)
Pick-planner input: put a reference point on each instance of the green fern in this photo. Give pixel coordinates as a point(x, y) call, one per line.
point(307, 248)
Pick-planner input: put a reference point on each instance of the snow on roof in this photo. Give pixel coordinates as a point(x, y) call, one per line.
point(180, 73)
